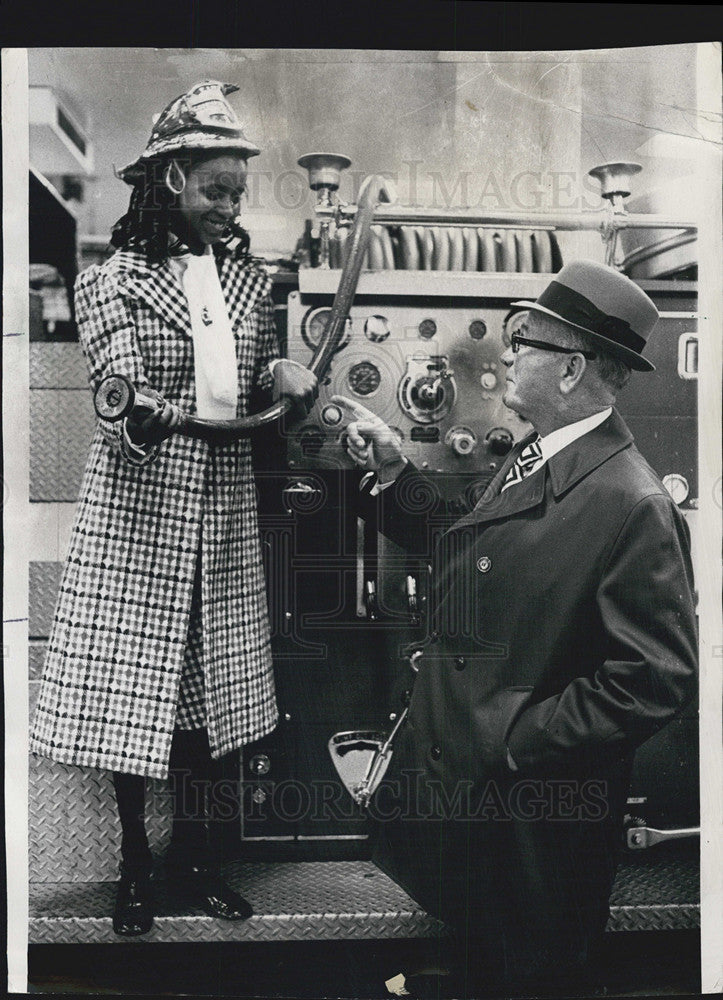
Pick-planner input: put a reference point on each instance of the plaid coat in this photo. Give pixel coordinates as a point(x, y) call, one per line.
point(110, 690)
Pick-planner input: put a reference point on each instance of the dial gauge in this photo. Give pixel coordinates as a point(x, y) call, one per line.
point(364, 378)
point(313, 325)
point(677, 486)
point(477, 329)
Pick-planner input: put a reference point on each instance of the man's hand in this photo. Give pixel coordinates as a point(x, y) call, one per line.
point(149, 428)
point(293, 381)
point(370, 442)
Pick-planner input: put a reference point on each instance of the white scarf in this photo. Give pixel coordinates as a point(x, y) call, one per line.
point(214, 349)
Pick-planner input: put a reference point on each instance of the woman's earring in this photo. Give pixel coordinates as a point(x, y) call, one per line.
point(174, 178)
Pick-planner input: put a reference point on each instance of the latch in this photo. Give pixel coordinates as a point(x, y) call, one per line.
point(370, 600)
point(301, 496)
point(412, 600)
point(640, 837)
point(688, 356)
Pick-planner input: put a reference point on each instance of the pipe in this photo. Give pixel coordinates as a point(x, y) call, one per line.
point(570, 221)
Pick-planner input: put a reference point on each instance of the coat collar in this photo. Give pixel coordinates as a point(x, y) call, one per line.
point(566, 468)
point(159, 286)
point(572, 463)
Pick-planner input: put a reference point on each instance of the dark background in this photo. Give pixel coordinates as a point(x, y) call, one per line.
point(444, 24)
point(403, 24)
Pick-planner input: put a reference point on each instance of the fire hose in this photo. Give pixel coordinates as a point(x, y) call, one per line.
point(116, 397)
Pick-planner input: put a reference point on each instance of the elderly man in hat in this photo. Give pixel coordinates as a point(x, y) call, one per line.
point(562, 636)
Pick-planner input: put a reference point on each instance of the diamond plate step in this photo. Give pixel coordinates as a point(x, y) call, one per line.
point(74, 830)
point(656, 892)
point(62, 423)
point(57, 366)
point(335, 900)
point(292, 901)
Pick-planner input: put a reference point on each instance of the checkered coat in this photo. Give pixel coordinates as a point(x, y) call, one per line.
point(110, 690)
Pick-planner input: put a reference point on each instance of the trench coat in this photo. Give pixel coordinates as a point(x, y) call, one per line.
point(563, 636)
point(109, 691)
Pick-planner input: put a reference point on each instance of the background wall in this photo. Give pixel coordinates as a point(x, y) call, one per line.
point(495, 130)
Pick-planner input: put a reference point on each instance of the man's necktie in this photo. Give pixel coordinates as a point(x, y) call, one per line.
point(529, 459)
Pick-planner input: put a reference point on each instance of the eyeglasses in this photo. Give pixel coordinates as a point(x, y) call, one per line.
point(516, 341)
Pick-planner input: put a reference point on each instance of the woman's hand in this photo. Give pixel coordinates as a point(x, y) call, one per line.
point(293, 381)
point(370, 442)
point(149, 428)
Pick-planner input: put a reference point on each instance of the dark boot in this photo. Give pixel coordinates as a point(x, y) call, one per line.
point(134, 910)
point(190, 865)
point(206, 888)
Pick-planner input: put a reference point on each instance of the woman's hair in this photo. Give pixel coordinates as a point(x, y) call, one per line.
point(146, 226)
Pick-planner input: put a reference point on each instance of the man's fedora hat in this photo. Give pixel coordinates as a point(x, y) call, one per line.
point(603, 303)
point(200, 119)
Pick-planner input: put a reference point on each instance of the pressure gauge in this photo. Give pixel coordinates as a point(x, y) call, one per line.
point(427, 329)
point(364, 378)
point(677, 486)
point(313, 325)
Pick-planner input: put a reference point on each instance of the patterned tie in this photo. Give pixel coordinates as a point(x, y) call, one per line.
point(529, 459)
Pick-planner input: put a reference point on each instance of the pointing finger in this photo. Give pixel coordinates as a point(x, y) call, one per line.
point(353, 435)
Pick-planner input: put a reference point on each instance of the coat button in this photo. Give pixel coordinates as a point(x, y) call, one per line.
point(436, 752)
point(484, 564)
point(459, 663)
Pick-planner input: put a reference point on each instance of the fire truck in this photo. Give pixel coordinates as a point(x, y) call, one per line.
point(408, 311)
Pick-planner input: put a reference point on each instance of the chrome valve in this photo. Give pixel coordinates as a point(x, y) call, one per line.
point(324, 177)
point(462, 440)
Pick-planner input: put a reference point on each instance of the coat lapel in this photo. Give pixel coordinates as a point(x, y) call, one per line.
point(564, 470)
point(158, 285)
point(242, 288)
point(494, 504)
point(571, 464)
